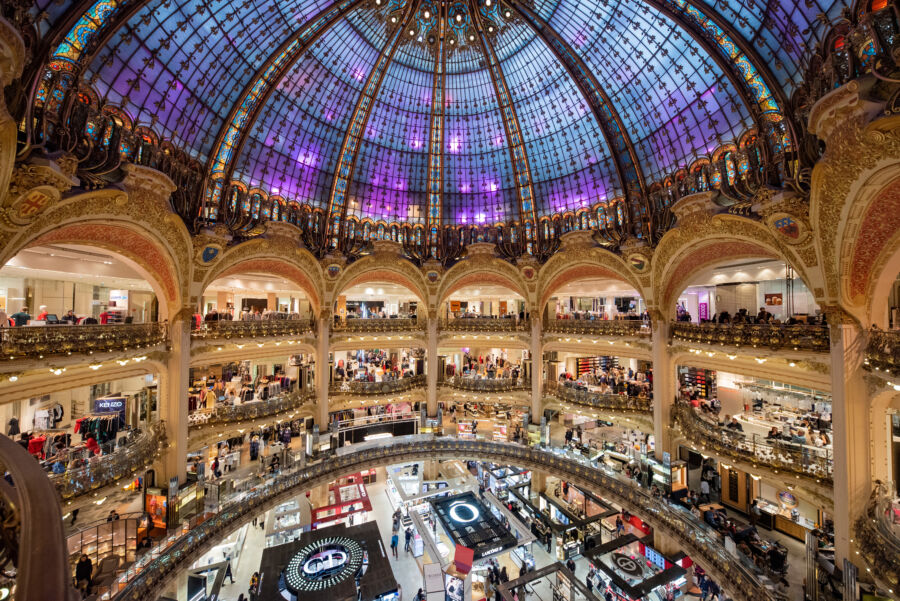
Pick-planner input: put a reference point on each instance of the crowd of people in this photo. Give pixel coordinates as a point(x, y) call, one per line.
point(611, 380)
point(374, 365)
point(743, 316)
point(488, 367)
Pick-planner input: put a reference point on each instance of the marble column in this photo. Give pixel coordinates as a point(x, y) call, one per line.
point(323, 370)
point(850, 430)
point(663, 388)
point(537, 370)
point(431, 366)
point(173, 402)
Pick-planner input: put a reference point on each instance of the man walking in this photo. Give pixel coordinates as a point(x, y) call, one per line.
point(394, 542)
point(409, 536)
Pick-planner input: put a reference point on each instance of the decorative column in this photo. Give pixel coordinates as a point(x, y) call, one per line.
point(431, 366)
point(663, 385)
point(850, 431)
point(323, 371)
point(537, 369)
point(173, 402)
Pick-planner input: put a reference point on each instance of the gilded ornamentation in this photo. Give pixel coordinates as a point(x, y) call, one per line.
point(34, 186)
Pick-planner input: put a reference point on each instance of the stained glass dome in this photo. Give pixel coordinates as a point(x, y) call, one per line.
point(455, 111)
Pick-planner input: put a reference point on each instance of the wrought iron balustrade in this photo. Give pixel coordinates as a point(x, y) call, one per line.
point(598, 327)
point(737, 572)
point(762, 335)
point(878, 534)
point(100, 470)
point(372, 388)
point(883, 350)
point(376, 326)
point(487, 384)
point(260, 328)
point(485, 324)
point(221, 414)
point(37, 342)
point(808, 461)
point(596, 400)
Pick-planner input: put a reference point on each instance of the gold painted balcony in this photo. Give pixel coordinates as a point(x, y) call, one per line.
point(883, 351)
point(375, 326)
point(248, 411)
point(741, 579)
point(101, 470)
point(253, 329)
point(38, 342)
point(766, 336)
point(813, 463)
point(487, 384)
point(353, 387)
point(595, 400)
point(598, 327)
point(485, 325)
point(878, 535)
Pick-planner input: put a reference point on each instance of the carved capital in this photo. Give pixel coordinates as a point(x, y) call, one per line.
point(577, 239)
point(146, 185)
point(695, 208)
point(282, 231)
point(842, 104)
point(485, 249)
point(387, 248)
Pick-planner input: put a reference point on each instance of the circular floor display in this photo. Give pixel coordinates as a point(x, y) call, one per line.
point(323, 564)
point(627, 564)
point(464, 512)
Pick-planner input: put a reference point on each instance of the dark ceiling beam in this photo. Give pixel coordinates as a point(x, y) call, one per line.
point(235, 130)
point(618, 141)
point(343, 173)
point(517, 152)
point(434, 211)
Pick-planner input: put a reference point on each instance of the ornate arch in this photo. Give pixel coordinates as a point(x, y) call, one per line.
point(702, 243)
point(481, 270)
point(142, 228)
point(381, 267)
point(869, 247)
point(277, 256)
point(566, 267)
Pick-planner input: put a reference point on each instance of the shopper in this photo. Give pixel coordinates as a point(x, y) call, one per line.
point(570, 563)
point(83, 572)
point(409, 535)
point(21, 318)
point(254, 586)
point(228, 573)
point(620, 526)
point(394, 542)
point(42, 313)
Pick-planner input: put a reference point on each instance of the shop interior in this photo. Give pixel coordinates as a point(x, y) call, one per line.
point(254, 296)
point(603, 374)
point(376, 300)
point(95, 285)
point(377, 365)
point(66, 430)
point(488, 301)
point(751, 285)
point(596, 299)
point(470, 363)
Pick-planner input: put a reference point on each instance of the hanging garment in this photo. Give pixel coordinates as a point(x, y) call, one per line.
point(12, 427)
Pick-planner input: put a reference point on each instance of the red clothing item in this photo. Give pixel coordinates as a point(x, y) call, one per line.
point(104, 317)
point(92, 445)
point(43, 315)
point(36, 445)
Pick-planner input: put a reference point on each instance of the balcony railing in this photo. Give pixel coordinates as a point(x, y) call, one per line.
point(770, 336)
point(101, 470)
point(485, 324)
point(804, 460)
point(375, 326)
point(246, 411)
point(37, 342)
point(487, 384)
point(254, 329)
point(883, 350)
point(736, 572)
point(878, 534)
point(368, 388)
point(598, 327)
point(595, 400)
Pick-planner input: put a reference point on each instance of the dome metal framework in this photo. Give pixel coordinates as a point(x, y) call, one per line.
point(439, 122)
